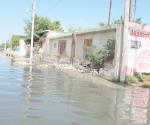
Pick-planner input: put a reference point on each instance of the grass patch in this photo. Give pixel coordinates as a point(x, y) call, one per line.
point(139, 77)
point(146, 77)
point(111, 79)
point(146, 80)
point(130, 79)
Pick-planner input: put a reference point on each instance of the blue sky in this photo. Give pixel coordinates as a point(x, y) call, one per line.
point(71, 13)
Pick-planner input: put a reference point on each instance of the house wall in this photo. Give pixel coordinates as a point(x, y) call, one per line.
point(45, 47)
point(138, 49)
point(99, 39)
point(138, 58)
point(55, 51)
point(51, 47)
point(135, 56)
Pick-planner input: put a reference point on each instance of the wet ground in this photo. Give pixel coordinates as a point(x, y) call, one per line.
point(29, 96)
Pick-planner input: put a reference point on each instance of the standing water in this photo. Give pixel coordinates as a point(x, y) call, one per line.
point(29, 96)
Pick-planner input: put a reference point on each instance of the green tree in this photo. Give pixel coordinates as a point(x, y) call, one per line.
point(120, 20)
point(41, 24)
point(8, 45)
point(117, 21)
point(14, 42)
point(138, 20)
point(103, 24)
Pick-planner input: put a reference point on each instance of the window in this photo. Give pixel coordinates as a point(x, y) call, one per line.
point(87, 42)
point(135, 44)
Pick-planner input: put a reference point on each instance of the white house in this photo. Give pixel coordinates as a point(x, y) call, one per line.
point(71, 45)
point(61, 44)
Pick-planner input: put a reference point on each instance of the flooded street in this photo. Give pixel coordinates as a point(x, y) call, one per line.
point(29, 96)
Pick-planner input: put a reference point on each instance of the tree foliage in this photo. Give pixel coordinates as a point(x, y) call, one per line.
point(14, 42)
point(121, 20)
point(41, 24)
point(118, 21)
point(138, 20)
point(109, 50)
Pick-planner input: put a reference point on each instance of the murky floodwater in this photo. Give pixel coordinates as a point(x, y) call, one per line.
point(49, 97)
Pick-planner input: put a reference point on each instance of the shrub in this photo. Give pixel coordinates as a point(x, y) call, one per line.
point(139, 77)
point(98, 58)
point(130, 79)
point(146, 77)
point(109, 50)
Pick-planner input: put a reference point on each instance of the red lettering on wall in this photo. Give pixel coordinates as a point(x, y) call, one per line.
point(140, 34)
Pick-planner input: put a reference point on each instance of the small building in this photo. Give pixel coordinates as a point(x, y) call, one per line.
point(71, 47)
point(67, 47)
point(60, 45)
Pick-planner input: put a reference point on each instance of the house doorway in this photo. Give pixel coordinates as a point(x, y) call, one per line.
point(62, 47)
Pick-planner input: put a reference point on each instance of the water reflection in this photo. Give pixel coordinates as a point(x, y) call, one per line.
point(30, 96)
point(66, 98)
point(133, 105)
point(33, 94)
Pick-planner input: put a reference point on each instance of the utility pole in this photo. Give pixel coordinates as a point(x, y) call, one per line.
point(135, 9)
point(32, 32)
point(132, 12)
point(125, 42)
point(109, 16)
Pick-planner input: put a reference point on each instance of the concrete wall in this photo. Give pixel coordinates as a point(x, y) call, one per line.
point(134, 53)
point(55, 50)
point(99, 39)
point(137, 59)
point(139, 49)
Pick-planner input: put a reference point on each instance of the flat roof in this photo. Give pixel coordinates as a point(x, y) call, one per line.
point(100, 29)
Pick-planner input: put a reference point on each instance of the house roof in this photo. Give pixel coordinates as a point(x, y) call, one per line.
point(100, 29)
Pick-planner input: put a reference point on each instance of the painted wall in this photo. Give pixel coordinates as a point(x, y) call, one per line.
point(139, 49)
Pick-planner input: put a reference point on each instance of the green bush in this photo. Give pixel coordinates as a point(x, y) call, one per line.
point(146, 77)
point(98, 58)
point(109, 50)
point(130, 79)
point(139, 76)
